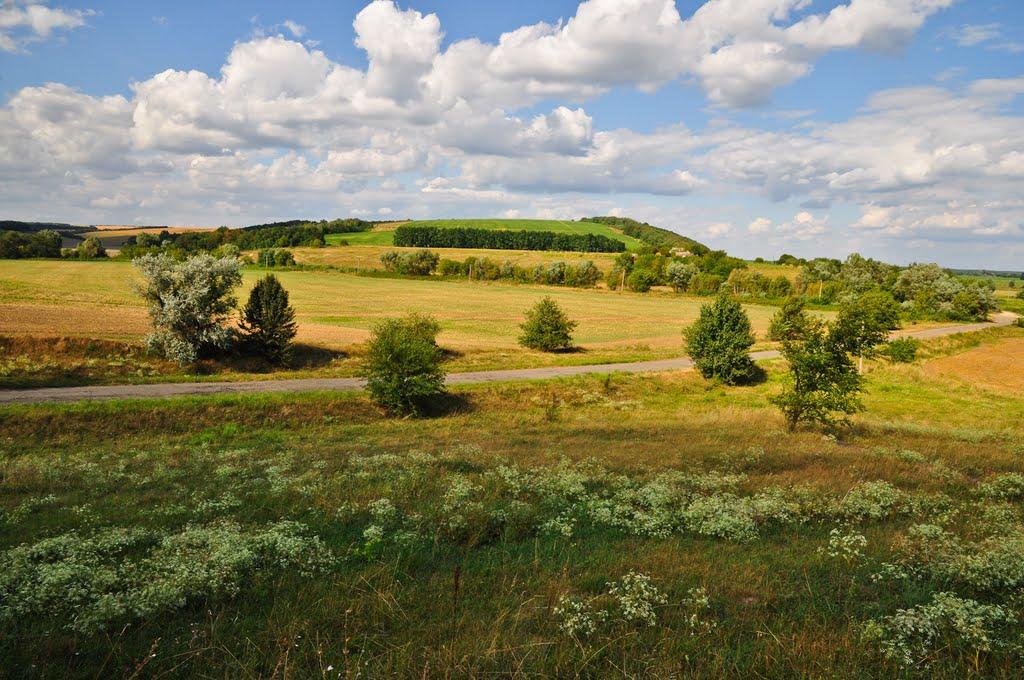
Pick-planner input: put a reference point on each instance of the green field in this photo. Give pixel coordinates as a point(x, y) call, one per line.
point(310, 536)
point(385, 236)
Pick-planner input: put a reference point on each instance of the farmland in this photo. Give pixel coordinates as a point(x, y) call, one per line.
point(486, 539)
point(336, 310)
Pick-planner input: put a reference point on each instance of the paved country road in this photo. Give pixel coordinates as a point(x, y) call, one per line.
point(98, 392)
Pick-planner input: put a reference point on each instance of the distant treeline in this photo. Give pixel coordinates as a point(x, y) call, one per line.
point(16, 245)
point(503, 239)
point(291, 234)
point(651, 235)
point(15, 225)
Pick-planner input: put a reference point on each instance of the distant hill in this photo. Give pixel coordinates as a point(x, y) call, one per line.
point(650, 234)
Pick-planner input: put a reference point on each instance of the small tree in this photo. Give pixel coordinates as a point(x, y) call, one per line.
point(865, 322)
point(268, 321)
point(403, 367)
point(790, 322)
point(823, 380)
point(190, 303)
point(547, 328)
point(641, 280)
point(720, 340)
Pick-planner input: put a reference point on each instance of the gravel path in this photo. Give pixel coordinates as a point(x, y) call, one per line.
point(98, 392)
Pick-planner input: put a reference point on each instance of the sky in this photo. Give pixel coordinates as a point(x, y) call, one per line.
point(893, 128)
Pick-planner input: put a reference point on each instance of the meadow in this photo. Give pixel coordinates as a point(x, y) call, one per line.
point(335, 312)
point(635, 526)
point(384, 234)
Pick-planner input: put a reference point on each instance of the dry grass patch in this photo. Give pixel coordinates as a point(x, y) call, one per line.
point(997, 366)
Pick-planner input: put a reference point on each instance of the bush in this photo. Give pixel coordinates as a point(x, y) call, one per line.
point(780, 287)
point(901, 350)
point(641, 280)
point(190, 303)
point(679, 275)
point(720, 340)
point(418, 263)
point(706, 284)
point(275, 257)
point(547, 328)
point(403, 366)
point(89, 249)
point(269, 321)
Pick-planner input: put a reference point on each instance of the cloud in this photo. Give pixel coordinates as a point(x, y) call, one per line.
point(22, 23)
point(760, 225)
point(295, 28)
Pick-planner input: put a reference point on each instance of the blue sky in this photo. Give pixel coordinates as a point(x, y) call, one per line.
point(891, 127)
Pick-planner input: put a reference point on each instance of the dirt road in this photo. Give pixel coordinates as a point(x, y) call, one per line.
point(98, 392)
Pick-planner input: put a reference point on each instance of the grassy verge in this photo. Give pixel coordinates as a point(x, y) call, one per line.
point(289, 535)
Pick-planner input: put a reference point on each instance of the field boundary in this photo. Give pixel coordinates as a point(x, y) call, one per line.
point(166, 390)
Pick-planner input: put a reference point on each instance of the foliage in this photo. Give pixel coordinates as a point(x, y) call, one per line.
point(641, 280)
point(823, 380)
point(790, 322)
point(189, 302)
point(268, 321)
point(679, 275)
point(720, 340)
point(90, 582)
point(949, 623)
point(717, 262)
point(403, 365)
point(651, 235)
point(16, 244)
point(421, 262)
point(928, 291)
point(89, 249)
point(706, 284)
point(864, 322)
point(270, 257)
point(547, 328)
point(503, 239)
point(901, 350)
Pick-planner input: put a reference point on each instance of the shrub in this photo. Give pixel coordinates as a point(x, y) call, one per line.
point(719, 342)
point(190, 303)
point(679, 275)
point(275, 257)
point(901, 350)
point(269, 321)
point(89, 249)
point(780, 287)
point(418, 263)
point(706, 284)
point(641, 280)
point(403, 367)
point(547, 328)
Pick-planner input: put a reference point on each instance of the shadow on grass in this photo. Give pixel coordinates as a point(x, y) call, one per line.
point(446, 404)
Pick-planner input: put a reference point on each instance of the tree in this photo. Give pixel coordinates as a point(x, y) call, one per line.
point(679, 275)
point(641, 280)
point(790, 322)
point(190, 303)
point(268, 321)
point(403, 366)
point(720, 340)
point(547, 327)
point(865, 322)
point(823, 379)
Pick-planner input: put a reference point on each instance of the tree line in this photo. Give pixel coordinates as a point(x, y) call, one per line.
point(503, 239)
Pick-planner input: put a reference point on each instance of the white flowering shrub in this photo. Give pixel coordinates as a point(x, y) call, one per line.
point(869, 500)
point(845, 545)
point(90, 582)
point(914, 637)
point(1009, 486)
point(637, 598)
point(578, 618)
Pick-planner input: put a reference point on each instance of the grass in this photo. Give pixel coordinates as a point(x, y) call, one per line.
point(335, 311)
point(384, 235)
point(451, 550)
